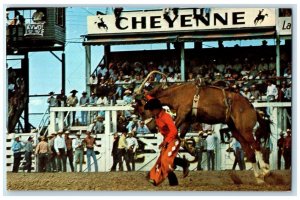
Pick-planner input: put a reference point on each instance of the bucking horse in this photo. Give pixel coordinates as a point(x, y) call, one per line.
point(212, 105)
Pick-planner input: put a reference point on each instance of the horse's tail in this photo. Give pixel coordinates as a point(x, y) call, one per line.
point(264, 129)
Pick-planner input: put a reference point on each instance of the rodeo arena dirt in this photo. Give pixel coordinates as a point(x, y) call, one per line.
point(201, 113)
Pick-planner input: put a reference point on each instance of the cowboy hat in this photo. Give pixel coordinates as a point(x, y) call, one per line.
point(51, 93)
point(60, 131)
point(74, 91)
point(127, 92)
point(84, 92)
point(153, 104)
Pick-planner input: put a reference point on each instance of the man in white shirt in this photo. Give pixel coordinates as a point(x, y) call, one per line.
point(272, 95)
point(211, 145)
point(132, 145)
point(61, 149)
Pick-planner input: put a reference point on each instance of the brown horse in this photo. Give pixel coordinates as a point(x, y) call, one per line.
point(214, 105)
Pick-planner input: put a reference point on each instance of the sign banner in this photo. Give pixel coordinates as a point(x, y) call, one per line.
point(170, 20)
point(284, 26)
point(34, 29)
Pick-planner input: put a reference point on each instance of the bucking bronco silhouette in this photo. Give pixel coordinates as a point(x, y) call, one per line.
point(101, 24)
point(260, 17)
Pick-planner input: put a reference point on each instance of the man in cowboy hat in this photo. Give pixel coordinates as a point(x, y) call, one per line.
point(72, 101)
point(280, 145)
point(200, 148)
point(42, 150)
point(69, 146)
point(61, 149)
point(167, 161)
point(211, 146)
point(84, 101)
point(16, 148)
point(28, 154)
point(287, 149)
point(99, 125)
point(52, 101)
point(90, 143)
point(53, 154)
point(78, 146)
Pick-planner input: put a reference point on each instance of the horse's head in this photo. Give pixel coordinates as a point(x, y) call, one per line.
point(144, 114)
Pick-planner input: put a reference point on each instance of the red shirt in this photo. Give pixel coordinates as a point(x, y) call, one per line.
point(166, 126)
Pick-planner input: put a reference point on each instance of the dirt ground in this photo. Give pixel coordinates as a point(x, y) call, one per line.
point(136, 181)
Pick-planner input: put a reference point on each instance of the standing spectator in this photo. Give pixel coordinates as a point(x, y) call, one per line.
point(51, 100)
point(61, 99)
point(62, 102)
point(16, 148)
point(211, 145)
point(132, 147)
point(72, 101)
point(69, 146)
point(42, 151)
point(84, 101)
point(99, 125)
point(60, 149)
point(141, 129)
point(200, 146)
point(287, 149)
point(119, 90)
point(122, 149)
point(28, 154)
point(52, 155)
point(90, 142)
point(266, 149)
point(239, 155)
point(93, 82)
point(114, 152)
point(167, 161)
point(272, 94)
point(280, 145)
point(78, 146)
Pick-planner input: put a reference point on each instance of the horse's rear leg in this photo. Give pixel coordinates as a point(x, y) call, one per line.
point(251, 147)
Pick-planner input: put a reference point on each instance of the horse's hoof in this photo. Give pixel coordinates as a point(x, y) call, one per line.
point(266, 172)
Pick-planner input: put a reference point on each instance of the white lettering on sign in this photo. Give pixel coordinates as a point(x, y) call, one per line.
point(34, 29)
point(284, 26)
point(181, 20)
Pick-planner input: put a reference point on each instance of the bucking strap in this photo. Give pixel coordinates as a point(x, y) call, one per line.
point(228, 106)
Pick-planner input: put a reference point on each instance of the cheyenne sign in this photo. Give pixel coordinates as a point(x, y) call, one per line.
point(284, 26)
point(182, 20)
